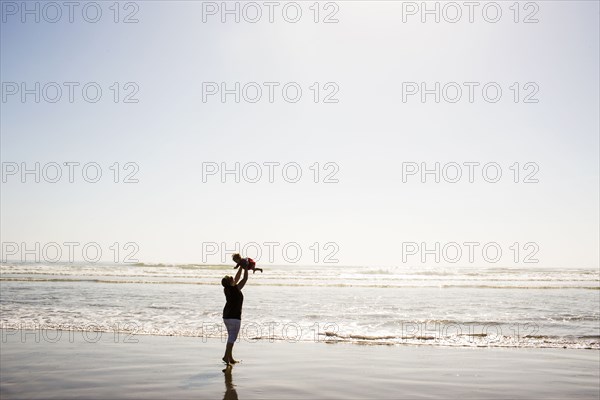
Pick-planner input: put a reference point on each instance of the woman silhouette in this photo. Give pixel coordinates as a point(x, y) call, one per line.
point(232, 312)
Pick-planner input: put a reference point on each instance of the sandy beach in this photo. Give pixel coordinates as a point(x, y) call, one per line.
point(66, 365)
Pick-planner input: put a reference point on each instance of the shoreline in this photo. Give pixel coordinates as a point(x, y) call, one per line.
point(325, 338)
point(191, 367)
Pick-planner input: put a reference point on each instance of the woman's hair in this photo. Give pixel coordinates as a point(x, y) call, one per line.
point(236, 257)
point(225, 281)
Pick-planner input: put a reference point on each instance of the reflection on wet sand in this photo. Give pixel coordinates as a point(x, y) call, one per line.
point(230, 392)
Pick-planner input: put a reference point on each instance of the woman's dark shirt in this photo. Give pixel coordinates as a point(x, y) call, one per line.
point(233, 307)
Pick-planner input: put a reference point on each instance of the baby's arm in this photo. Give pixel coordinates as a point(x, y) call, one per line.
point(236, 266)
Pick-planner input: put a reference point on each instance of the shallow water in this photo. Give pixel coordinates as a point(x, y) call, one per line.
point(497, 307)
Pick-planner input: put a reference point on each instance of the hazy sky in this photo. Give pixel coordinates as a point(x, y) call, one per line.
point(364, 62)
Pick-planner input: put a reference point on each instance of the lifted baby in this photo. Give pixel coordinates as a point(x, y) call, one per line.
point(245, 263)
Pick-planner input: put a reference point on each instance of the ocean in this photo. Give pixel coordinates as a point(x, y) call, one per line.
point(437, 306)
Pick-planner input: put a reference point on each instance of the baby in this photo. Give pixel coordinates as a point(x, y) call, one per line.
point(246, 263)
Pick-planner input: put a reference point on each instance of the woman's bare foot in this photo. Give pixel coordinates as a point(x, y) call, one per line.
point(232, 361)
point(225, 360)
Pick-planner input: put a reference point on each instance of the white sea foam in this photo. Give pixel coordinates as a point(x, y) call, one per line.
point(500, 307)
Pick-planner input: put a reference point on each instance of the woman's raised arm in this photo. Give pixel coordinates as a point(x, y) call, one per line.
point(243, 282)
point(237, 275)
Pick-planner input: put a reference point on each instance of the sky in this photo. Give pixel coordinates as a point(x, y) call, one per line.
point(167, 115)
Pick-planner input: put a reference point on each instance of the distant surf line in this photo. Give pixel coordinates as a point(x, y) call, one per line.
point(341, 285)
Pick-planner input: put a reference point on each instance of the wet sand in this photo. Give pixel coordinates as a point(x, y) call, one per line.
point(158, 367)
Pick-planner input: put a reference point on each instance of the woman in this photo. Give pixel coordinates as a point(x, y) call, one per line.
point(232, 312)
